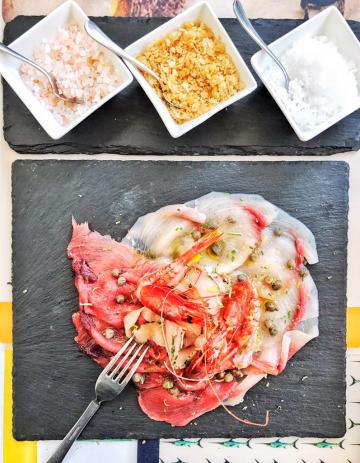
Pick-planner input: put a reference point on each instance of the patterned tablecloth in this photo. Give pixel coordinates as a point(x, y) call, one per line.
point(273, 450)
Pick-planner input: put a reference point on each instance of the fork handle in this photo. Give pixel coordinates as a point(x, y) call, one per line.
point(74, 433)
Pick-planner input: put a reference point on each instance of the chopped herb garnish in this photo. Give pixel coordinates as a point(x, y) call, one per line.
point(233, 233)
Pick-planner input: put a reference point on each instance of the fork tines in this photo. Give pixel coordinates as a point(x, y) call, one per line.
point(118, 367)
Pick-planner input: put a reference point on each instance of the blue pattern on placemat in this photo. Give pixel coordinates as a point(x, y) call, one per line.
point(148, 451)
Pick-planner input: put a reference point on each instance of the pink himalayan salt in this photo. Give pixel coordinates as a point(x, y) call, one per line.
point(80, 67)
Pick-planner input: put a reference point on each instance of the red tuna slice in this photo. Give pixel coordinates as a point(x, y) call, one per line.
point(102, 253)
point(151, 380)
point(160, 405)
point(94, 258)
point(94, 330)
point(87, 344)
point(94, 249)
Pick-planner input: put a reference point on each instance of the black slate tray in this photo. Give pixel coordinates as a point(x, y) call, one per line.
point(129, 124)
point(53, 380)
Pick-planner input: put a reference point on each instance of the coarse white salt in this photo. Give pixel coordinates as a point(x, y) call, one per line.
point(322, 81)
point(81, 68)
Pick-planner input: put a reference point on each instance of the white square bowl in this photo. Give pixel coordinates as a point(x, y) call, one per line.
point(199, 12)
point(331, 24)
point(9, 67)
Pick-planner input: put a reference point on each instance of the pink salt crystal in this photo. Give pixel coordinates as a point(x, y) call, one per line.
point(79, 65)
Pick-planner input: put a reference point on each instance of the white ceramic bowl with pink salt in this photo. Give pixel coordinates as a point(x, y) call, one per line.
point(322, 58)
point(83, 69)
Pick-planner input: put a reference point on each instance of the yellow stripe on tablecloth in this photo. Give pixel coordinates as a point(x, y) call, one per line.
point(5, 322)
point(26, 452)
point(353, 327)
point(14, 451)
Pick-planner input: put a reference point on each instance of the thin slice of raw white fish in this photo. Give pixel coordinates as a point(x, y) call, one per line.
point(272, 264)
point(166, 232)
point(171, 230)
point(267, 242)
point(276, 254)
point(213, 201)
point(241, 218)
point(297, 230)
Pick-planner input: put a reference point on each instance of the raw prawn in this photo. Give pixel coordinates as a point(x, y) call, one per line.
point(156, 291)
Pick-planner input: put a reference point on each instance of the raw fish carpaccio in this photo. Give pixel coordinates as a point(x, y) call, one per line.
point(219, 289)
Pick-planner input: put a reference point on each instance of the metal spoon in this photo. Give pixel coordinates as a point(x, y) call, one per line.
point(246, 24)
point(99, 36)
point(53, 83)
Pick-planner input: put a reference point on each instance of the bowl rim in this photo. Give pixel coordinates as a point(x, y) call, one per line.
point(175, 129)
point(306, 135)
point(58, 130)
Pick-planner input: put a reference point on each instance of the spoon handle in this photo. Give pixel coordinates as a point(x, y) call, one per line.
point(99, 36)
point(17, 55)
point(246, 24)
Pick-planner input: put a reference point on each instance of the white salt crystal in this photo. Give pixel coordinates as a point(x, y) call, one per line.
point(322, 81)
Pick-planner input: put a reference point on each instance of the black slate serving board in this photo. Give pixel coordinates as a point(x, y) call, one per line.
point(129, 124)
point(53, 380)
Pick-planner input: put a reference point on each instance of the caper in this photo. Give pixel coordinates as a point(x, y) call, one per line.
point(138, 378)
point(109, 333)
point(242, 277)
point(174, 391)
point(255, 254)
point(228, 378)
point(271, 327)
point(115, 272)
point(120, 298)
point(270, 306)
point(291, 264)
point(217, 247)
point(273, 331)
point(303, 271)
point(220, 375)
point(196, 234)
point(276, 285)
point(121, 281)
point(237, 373)
point(278, 232)
point(168, 383)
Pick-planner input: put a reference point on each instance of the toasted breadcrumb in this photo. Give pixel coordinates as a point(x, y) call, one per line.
point(196, 69)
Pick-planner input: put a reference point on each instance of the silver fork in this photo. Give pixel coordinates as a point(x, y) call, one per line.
point(110, 383)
